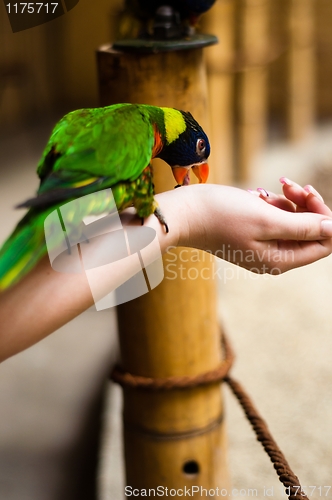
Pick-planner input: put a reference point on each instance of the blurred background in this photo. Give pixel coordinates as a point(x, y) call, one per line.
point(270, 97)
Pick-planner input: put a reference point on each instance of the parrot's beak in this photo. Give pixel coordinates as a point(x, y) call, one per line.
point(181, 174)
point(201, 171)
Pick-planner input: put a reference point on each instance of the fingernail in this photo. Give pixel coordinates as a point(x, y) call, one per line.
point(326, 228)
point(263, 192)
point(253, 192)
point(312, 190)
point(285, 180)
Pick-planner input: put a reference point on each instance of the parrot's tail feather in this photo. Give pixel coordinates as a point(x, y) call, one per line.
point(47, 199)
point(57, 195)
point(21, 252)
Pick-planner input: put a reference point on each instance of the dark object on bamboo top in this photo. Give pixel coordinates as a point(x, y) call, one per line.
point(153, 46)
point(188, 11)
point(155, 26)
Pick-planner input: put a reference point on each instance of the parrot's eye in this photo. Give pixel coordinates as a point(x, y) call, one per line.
point(200, 147)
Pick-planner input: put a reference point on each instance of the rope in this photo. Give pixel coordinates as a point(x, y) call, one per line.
point(283, 469)
point(285, 473)
point(126, 379)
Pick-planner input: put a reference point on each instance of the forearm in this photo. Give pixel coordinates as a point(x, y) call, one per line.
point(44, 300)
point(41, 303)
point(208, 217)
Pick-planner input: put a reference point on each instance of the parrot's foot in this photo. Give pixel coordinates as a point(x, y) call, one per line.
point(158, 213)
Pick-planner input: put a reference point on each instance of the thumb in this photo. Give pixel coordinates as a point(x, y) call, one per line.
point(303, 226)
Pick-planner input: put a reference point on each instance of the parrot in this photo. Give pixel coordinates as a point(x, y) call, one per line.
point(92, 149)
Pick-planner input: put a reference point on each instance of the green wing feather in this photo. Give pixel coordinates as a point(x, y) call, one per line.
point(115, 141)
point(88, 150)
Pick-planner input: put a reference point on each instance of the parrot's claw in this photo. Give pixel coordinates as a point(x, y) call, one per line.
point(158, 213)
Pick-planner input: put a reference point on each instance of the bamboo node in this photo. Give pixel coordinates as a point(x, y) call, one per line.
point(171, 436)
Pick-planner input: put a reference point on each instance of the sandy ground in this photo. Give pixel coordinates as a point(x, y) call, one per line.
point(279, 327)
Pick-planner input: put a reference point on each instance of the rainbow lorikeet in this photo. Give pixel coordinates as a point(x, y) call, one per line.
point(94, 149)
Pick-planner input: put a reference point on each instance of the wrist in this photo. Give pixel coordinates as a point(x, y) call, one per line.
point(174, 205)
point(183, 209)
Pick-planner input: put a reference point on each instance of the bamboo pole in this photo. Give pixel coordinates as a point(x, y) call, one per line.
point(278, 75)
point(301, 61)
point(323, 42)
point(176, 438)
point(220, 20)
point(252, 83)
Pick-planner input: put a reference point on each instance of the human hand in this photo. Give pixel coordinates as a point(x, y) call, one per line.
point(264, 237)
point(297, 199)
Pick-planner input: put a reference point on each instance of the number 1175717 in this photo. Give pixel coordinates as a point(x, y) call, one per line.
point(32, 7)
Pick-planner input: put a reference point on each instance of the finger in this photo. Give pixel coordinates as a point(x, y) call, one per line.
point(310, 189)
point(251, 191)
point(300, 227)
point(316, 205)
point(276, 200)
point(294, 192)
point(300, 196)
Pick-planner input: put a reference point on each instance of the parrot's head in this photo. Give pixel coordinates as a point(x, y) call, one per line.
point(186, 146)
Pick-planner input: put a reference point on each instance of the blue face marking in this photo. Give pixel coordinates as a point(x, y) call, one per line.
point(188, 149)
